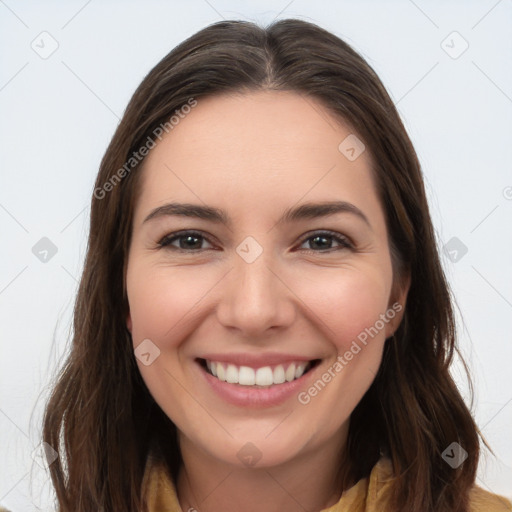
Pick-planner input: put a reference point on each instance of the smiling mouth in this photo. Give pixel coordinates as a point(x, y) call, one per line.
point(262, 377)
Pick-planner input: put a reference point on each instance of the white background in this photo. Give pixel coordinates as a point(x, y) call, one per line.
point(59, 113)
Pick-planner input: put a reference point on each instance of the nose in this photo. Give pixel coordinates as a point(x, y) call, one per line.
point(256, 298)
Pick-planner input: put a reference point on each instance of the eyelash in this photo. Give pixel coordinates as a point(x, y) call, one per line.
point(171, 237)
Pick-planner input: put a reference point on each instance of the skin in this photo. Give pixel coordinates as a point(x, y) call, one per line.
point(297, 297)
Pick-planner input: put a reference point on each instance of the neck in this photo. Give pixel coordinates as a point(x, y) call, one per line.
point(308, 482)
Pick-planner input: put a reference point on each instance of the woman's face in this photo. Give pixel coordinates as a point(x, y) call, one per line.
point(245, 282)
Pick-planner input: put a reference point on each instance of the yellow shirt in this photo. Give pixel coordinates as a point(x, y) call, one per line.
point(368, 495)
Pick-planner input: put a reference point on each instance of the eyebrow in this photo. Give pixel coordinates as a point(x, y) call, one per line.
point(302, 212)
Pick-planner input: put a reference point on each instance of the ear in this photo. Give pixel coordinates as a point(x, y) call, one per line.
point(129, 322)
point(396, 306)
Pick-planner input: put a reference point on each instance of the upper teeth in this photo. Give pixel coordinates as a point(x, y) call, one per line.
point(265, 376)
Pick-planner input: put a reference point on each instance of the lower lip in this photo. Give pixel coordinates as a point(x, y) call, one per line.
point(249, 396)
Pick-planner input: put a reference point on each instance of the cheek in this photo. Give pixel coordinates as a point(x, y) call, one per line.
point(348, 302)
point(162, 300)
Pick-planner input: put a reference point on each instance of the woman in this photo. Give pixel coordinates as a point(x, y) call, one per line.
point(262, 322)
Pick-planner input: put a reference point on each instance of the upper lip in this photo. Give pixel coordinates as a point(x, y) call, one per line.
point(256, 360)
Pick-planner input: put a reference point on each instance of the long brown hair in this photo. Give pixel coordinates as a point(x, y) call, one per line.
point(101, 417)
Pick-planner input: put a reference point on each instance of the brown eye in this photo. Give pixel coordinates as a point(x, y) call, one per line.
point(323, 242)
point(187, 241)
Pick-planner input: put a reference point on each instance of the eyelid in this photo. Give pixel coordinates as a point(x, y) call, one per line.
point(175, 235)
point(343, 240)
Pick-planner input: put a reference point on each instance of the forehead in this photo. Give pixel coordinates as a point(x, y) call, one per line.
point(258, 124)
point(256, 145)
